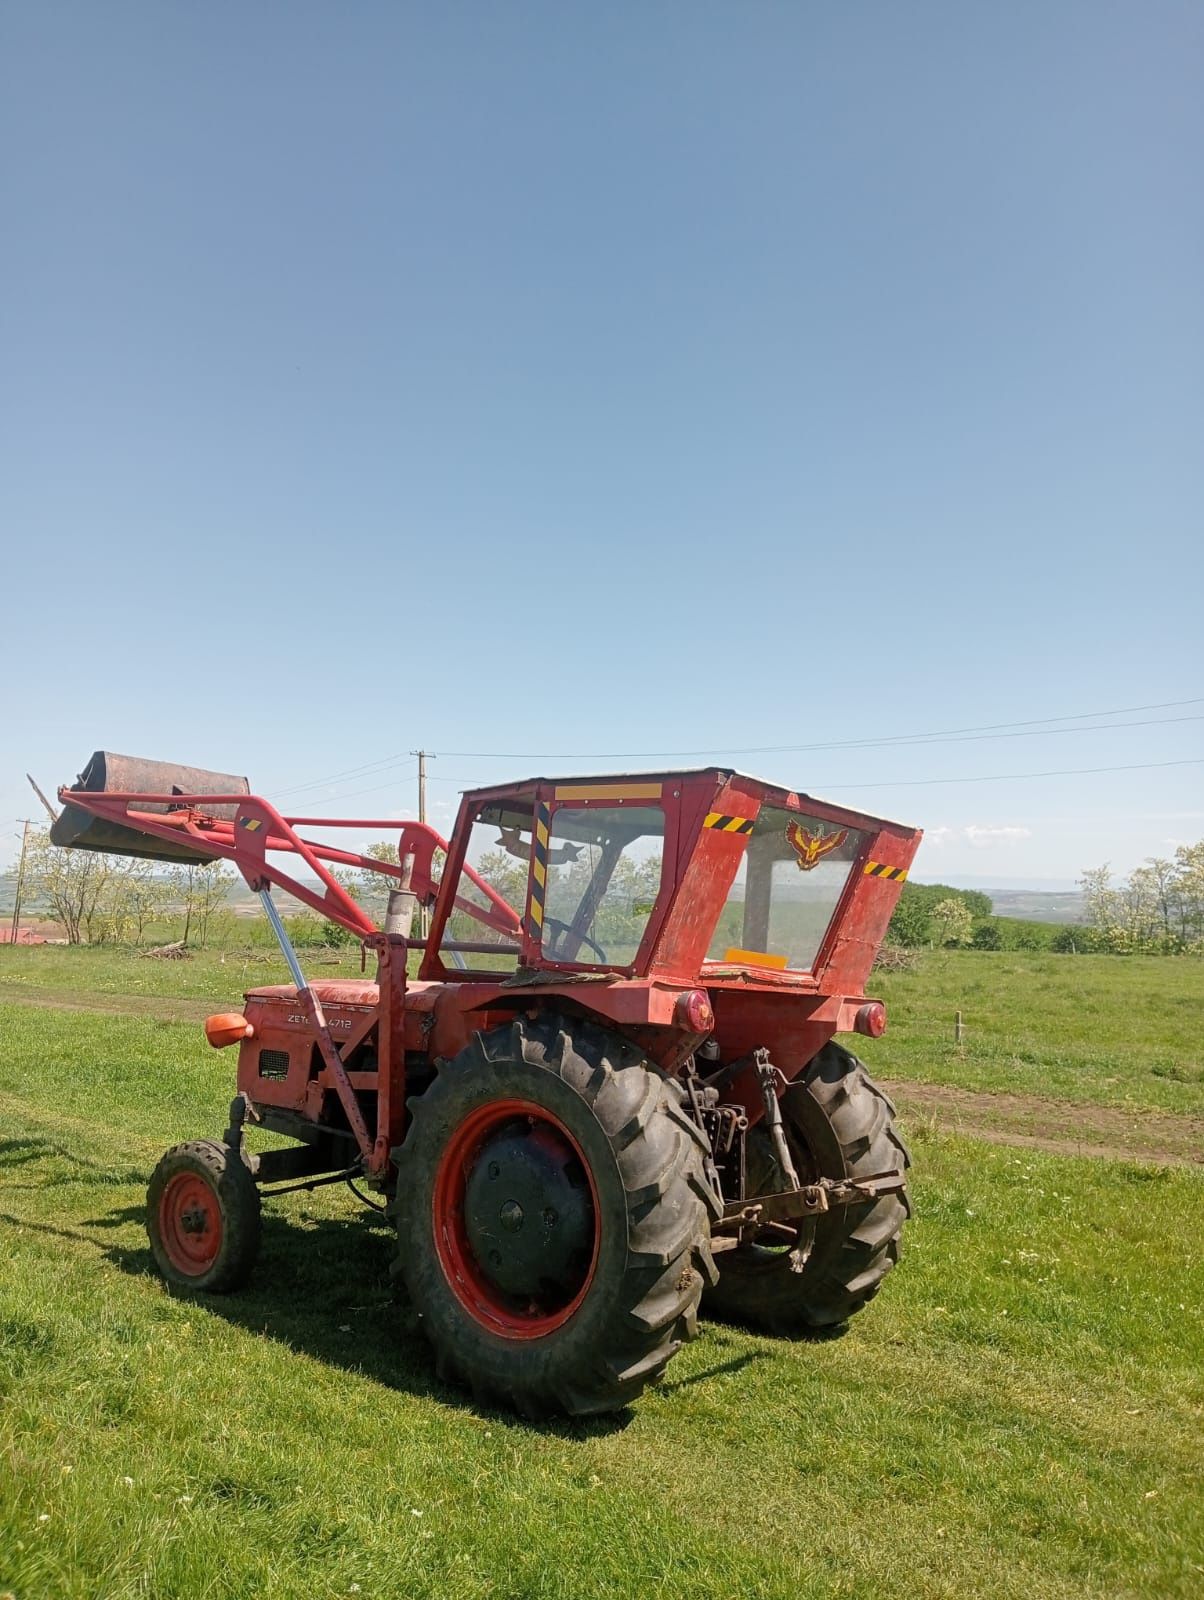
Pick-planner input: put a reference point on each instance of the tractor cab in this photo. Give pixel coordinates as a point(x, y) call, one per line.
point(707, 875)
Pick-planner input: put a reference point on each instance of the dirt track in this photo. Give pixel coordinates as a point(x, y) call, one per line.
point(1116, 1132)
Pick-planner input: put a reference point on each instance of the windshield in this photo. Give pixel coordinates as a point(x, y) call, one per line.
point(483, 931)
point(792, 875)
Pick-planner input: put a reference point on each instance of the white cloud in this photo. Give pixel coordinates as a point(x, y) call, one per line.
point(978, 835)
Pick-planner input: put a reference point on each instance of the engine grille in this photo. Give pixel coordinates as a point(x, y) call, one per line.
point(273, 1063)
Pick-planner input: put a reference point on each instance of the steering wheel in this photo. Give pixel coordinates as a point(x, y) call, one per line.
point(561, 928)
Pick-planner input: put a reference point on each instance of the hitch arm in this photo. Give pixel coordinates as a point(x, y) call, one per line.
point(744, 1217)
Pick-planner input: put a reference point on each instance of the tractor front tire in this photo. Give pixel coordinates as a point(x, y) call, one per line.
point(840, 1125)
point(202, 1217)
point(553, 1218)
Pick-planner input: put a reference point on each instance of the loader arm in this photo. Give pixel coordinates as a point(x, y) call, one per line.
point(249, 839)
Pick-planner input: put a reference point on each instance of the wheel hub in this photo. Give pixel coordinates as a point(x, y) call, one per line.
point(194, 1220)
point(190, 1223)
point(528, 1214)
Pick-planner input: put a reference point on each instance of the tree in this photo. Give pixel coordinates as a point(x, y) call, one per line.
point(200, 888)
point(1101, 903)
point(71, 881)
point(987, 936)
point(1188, 892)
point(1159, 906)
point(952, 922)
point(144, 894)
point(911, 923)
point(1160, 878)
point(507, 875)
point(371, 889)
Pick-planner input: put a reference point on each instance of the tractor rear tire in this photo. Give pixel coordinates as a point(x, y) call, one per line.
point(202, 1217)
point(840, 1125)
point(553, 1218)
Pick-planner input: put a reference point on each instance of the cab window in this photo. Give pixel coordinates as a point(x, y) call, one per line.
point(604, 876)
point(786, 891)
point(483, 931)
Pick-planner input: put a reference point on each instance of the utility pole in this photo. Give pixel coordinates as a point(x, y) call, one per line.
point(424, 921)
point(16, 923)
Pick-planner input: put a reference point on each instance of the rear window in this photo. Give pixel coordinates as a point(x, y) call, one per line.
point(786, 891)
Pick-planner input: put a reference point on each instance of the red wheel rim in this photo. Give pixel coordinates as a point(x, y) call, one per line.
point(190, 1223)
point(512, 1315)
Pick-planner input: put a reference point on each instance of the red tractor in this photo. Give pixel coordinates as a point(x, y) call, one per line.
point(604, 1088)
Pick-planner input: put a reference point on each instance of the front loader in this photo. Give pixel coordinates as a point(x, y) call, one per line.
point(606, 1087)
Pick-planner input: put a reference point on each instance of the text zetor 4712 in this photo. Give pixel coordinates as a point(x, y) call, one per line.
point(604, 1088)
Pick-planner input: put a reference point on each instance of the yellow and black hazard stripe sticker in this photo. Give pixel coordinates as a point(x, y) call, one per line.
point(725, 824)
point(251, 824)
point(879, 869)
point(539, 867)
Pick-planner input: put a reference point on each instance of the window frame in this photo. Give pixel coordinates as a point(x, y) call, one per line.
point(433, 965)
point(640, 797)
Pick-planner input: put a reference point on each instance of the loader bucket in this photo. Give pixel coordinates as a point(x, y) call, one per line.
point(107, 773)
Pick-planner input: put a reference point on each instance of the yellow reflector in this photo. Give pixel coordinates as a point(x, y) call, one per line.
point(608, 791)
point(754, 958)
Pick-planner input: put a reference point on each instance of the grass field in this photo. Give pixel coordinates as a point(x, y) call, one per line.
point(1108, 1030)
point(1020, 1413)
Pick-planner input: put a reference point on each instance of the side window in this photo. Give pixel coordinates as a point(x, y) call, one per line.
point(483, 931)
point(604, 875)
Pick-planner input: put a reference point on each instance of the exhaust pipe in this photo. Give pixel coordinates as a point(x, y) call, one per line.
point(107, 773)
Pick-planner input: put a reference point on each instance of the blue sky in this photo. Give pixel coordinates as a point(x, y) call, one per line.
point(552, 381)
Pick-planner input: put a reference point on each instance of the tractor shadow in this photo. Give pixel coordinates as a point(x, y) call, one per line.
point(321, 1288)
point(29, 1152)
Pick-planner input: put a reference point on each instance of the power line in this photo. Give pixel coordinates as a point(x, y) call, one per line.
point(351, 772)
point(1031, 733)
point(1008, 777)
point(983, 730)
point(824, 785)
point(903, 742)
point(375, 789)
point(1033, 727)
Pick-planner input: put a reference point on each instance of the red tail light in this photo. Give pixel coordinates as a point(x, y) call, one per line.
point(694, 1012)
point(871, 1019)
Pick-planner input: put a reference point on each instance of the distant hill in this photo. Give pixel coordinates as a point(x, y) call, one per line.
point(1035, 905)
point(1039, 900)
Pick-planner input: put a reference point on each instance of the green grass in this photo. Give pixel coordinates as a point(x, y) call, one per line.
point(215, 977)
point(1110, 1030)
point(1123, 1031)
point(1019, 1414)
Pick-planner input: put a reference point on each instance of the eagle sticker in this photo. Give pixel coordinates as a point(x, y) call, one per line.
point(810, 848)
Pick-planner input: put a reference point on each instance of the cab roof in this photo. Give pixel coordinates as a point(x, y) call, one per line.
point(720, 776)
